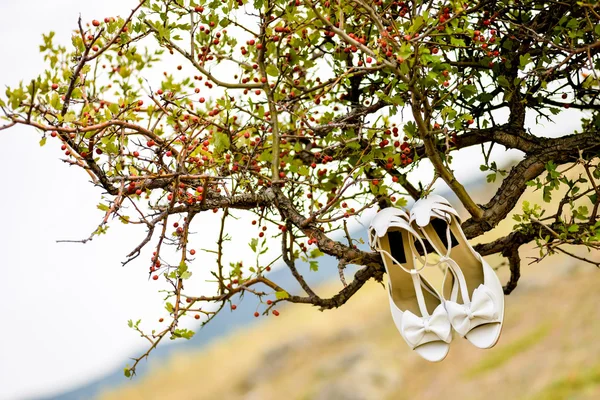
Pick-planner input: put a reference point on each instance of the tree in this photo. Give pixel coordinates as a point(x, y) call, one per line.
point(331, 104)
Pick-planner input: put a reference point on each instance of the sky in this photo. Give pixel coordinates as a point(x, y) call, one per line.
point(64, 307)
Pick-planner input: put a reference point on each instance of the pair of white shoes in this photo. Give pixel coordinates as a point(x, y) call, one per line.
point(471, 300)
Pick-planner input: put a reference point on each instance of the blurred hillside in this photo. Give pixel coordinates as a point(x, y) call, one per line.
point(548, 348)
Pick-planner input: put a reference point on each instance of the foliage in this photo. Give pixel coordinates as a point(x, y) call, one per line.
point(307, 113)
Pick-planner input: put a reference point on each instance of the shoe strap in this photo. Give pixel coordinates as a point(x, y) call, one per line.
point(396, 262)
point(418, 284)
point(458, 275)
point(404, 224)
point(448, 220)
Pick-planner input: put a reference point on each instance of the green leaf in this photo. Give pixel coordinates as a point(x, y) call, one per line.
point(70, 117)
point(186, 275)
point(55, 101)
point(127, 372)
point(303, 170)
point(468, 90)
point(253, 244)
point(169, 307)
point(401, 202)
point(502, 81)
point(314, 253)
point(410, 128)
point(573, 228)
point(43, 141)
point(221, 142)
point(282, 294)
point(314, 265)
point(114, 108)
point(524, 60)
point(182, 268)
point(272, 70)
point(77, 93)
point(182, 333)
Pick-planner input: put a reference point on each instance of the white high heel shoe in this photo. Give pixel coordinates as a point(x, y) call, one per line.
point(420, 316)
point(473, 297)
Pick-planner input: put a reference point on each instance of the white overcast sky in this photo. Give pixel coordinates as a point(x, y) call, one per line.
point(64, 307)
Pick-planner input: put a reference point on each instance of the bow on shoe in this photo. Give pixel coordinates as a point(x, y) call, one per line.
point(415, 328)
point(481, 310)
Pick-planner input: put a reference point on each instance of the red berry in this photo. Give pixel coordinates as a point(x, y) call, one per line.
point(233, 306)
point(96, 22)
point(54, 86)
point(192, 251)
point(276, 313)
point(197, 316)
point(155, 277)
point(256, 314)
